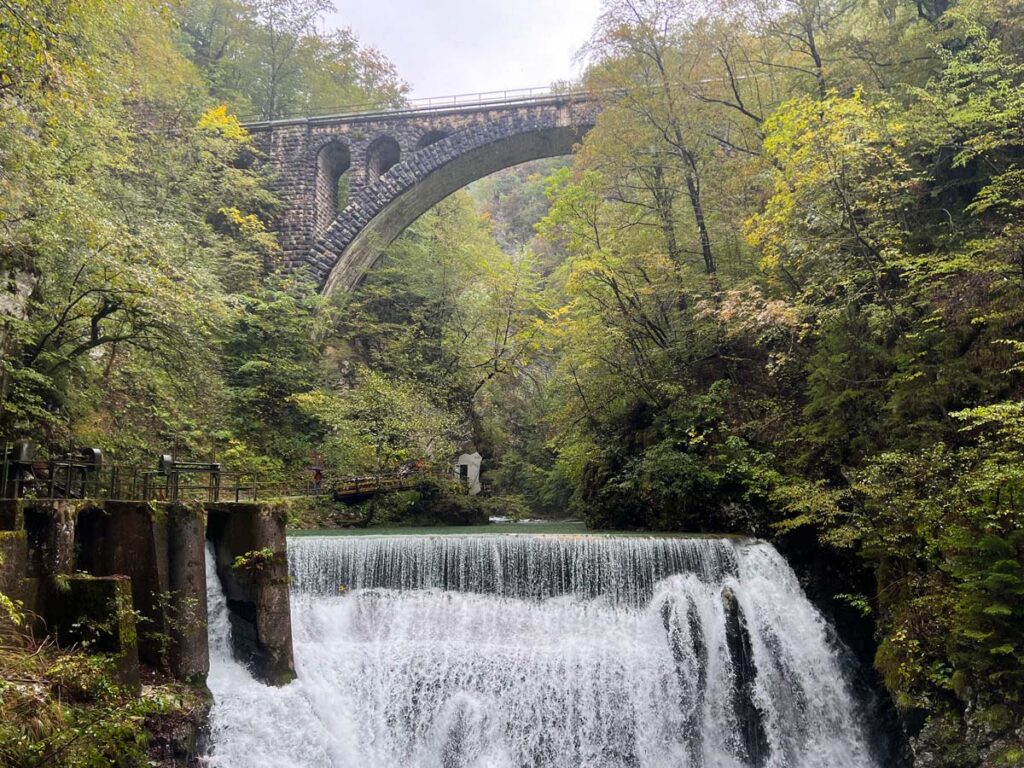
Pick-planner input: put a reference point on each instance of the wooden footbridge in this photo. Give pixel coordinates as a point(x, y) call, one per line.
point(371, 485)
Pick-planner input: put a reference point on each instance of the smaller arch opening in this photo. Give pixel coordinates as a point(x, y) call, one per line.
point(382, 155)
point(430, 137)
point(331, 187)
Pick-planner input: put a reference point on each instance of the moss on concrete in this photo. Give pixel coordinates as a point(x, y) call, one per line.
point(97, 613)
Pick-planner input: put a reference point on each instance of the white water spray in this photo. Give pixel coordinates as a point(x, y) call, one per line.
point(530, 651)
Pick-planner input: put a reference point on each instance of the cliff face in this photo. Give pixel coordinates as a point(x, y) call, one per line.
point(16, 287)
point(827, 577)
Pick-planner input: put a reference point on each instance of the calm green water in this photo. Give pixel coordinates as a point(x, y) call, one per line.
point(448, 530)
point(569, 527)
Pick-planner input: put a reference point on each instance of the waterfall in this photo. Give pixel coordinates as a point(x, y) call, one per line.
point(623, 569)
point(525, 651)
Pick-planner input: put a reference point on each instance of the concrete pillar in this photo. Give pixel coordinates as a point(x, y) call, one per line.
point(13, 564)
point(138, 557)
point(50, 527)
point(257, 597)
point(12, 514)
point(129, 538)
point(186, 554)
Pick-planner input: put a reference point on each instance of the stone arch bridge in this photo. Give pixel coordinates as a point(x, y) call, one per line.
point(350, 184)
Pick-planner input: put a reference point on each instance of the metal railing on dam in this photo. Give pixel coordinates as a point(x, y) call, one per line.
point(83, 474)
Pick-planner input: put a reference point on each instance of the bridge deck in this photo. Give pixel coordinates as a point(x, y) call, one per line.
point(436, 105)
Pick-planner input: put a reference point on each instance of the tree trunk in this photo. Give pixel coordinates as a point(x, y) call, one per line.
point(693, 188)
point(663, 201)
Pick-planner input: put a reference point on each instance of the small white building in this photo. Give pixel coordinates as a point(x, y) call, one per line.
point(467, 467)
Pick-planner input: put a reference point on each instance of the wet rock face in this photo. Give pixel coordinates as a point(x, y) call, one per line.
point(16, 288)
point(824, 574)
point(967, 737)
point(177, 739)
point(753, 742)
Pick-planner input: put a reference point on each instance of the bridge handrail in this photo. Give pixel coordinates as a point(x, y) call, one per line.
point(509, 97)
point(355, 486)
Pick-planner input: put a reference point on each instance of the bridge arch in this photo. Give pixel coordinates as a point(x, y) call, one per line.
point(382, 155)
point(431, 137)
point(384, 209)
point(333, 160)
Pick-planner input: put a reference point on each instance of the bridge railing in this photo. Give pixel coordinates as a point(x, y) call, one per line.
point(492, 97)
point(84, 475)
point(508, 97)
point(71, 479)
point(369, 484)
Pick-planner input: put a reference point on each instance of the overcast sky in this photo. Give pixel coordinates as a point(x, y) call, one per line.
point(445, 47)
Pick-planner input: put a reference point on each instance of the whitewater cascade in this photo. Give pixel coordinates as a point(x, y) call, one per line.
point(530, 651)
